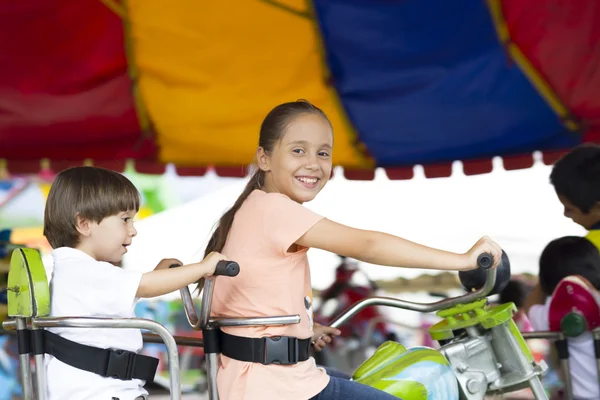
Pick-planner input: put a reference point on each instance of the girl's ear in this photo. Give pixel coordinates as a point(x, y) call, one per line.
point(83, 225)
point(262, 159)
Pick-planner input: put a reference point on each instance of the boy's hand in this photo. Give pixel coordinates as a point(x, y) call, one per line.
point(211, 261)
point(322, 336)
point(167, 262)
point(483, 245)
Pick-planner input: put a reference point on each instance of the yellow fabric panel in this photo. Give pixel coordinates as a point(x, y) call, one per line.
point(209, 72)
point(594, 237)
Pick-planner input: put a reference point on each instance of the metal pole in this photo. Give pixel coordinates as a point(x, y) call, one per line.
point(537, 388)
point(25, 366)
point(258, 321)
point(190, 308)
point(209, 286)
point(564, 365)
point(40, 369)
point(212, 366)
point(420, 307)
point(596, 333)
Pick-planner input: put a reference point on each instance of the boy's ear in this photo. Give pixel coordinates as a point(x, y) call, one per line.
point(595, 210)
point(262, 159)
point(83, 225)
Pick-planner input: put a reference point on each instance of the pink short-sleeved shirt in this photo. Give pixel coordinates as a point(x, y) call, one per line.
point(271, 282)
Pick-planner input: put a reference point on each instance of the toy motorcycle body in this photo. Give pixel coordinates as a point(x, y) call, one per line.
point(482, 350)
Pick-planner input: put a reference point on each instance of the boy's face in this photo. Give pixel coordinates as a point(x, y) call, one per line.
point(109, 239)
point(587, 220)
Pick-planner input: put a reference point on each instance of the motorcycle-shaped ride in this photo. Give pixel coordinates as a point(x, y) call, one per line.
point(482, 350)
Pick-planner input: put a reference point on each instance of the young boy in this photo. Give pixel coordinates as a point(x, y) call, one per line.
point(89, 223)
point(576, 179)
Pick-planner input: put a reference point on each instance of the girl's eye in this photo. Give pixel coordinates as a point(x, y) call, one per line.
point(324, 154)
point(126, 219)
point(298, 151)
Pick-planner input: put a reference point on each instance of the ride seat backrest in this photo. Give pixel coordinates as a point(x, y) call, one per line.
point(28, 290)
point(574, 307)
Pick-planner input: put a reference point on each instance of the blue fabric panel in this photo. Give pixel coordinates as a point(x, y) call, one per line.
point(427, 81)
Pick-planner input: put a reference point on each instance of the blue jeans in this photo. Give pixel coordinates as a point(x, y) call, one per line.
point(340, 387)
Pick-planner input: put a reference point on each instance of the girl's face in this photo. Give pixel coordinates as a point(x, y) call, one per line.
point(300, 164)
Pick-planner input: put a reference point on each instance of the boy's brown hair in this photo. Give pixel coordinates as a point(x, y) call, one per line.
point(88, 192)
point(576, 176)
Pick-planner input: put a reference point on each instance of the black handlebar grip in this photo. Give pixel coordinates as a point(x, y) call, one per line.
point(485, 261)
point(227, 268)
point(475, 278)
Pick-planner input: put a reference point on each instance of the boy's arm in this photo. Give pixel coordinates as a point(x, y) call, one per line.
point(165, 280)
point(536, 296)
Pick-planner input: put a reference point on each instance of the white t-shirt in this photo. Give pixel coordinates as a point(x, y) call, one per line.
point(83, 287)
point(582, 361)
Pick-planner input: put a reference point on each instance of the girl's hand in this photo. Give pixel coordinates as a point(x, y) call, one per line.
point(483, 245)
point(322, 336)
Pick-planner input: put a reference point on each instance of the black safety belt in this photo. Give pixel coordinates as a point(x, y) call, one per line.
point(119, 364)
point(282, 350)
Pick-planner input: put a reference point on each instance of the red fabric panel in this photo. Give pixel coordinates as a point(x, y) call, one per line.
point(64, 88)
point(400, 173)
point(477, 167)
point(517, 162)
point(561, 38)
point(442, 170)
point(232, 172)
point(550, 157)
point(359, 174)
point(191, 171)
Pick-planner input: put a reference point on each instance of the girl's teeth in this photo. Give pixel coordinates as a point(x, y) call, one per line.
point(306, 180)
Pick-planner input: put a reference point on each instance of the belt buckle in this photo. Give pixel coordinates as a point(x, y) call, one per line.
point(120, 364)
point(280, 350)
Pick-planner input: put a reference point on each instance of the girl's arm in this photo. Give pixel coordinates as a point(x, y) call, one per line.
point(384, 249)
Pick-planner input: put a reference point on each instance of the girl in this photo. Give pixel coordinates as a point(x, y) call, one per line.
point(269, 232)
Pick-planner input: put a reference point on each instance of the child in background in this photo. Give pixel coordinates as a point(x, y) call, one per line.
point(567, 256)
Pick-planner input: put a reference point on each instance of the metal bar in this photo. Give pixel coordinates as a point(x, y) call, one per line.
point(40, 370)
point(9, 325)
point(596, 334)
point(542, 335)
point(420, 307)
point(127, 323)
point(24, 363)
point(216, 322)
point(190, 308)
point(180, 340)
point(40, 375)
point(212, 366)
point(564, 364)
point(537, 389)
point(209, 286)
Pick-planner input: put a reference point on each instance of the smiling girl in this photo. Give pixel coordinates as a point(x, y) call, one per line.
point(268, 232)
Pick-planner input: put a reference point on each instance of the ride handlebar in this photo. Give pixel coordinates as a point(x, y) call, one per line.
point(485, 261)
point(223, 268)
